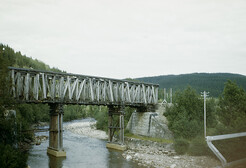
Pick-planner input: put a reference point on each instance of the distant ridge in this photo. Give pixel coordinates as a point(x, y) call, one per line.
point(212, 82)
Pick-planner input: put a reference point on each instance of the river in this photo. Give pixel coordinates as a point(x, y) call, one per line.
point(82, 151)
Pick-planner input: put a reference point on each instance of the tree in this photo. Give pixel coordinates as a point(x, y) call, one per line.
point(185, 116)
point(10, 156)
point(232, 119)
point(232, 108)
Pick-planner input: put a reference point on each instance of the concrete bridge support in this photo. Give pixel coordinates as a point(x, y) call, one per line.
point(114, 125)
point(150, 122)
point(56, 131)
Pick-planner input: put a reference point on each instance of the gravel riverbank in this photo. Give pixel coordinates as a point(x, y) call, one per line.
point(86, 128)
point(151, 154)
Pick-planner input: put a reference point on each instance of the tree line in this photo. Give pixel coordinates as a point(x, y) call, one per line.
point(211, 82)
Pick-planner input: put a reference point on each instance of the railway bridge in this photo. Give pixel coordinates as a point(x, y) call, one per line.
point(58, 89)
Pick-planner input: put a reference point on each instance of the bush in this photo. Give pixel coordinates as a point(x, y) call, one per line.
point(102, 119)
point(186, 115)
point(198, 147)
point(232, 108)
point(181, 146)
point(12, 158)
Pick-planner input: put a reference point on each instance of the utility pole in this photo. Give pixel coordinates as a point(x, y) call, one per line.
point(171, 95)
point(204, 94)
point(165, 95)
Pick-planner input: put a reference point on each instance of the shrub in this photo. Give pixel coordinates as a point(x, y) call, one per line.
point(198, 147)
point(186, 115)
point(11, 158)
point(181, 145)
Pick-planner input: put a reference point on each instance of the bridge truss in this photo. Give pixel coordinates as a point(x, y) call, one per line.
point(51, 87)
point(57, 89)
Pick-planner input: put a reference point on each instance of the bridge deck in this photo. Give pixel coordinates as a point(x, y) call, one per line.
point(51, 87)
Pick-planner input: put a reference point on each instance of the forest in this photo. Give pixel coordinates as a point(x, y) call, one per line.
point(210, 82)
point(226, 110)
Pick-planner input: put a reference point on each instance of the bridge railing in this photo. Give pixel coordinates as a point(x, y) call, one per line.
point(43, 86)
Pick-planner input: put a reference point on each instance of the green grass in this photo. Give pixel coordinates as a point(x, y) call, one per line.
point(159, 140)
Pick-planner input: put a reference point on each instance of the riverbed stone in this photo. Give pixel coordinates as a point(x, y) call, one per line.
point(128, 157)
point(173, 166)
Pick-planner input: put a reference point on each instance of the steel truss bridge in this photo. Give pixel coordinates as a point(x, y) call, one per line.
point(51, 87)
point(57, 89)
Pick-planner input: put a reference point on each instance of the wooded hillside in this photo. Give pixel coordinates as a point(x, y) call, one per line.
point(211, 82)
point(16, 59)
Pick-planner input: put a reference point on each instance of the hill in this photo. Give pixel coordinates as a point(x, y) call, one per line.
point(16, 59)
point(211, 82)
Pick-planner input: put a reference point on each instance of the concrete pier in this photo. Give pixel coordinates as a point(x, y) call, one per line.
point(56, 131)
point(113, 126)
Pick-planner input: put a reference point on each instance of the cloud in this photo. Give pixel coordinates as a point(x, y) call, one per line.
point(121, 39)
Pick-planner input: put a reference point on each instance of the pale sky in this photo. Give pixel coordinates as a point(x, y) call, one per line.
point(128, 38)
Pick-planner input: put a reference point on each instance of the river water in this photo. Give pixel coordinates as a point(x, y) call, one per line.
point(82, 152)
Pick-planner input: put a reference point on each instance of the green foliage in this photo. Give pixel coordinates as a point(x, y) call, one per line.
point(186, 121)
point(212, 82)
point(72, 112)
point(181, 145)
point(225, 115)
point(102, 118)
point(16, 59)
point(232, 119)
point(185, 116)
point(232, 108)
point(12, 158)
point(198, 147)
point(26, 113)
point(7, 130)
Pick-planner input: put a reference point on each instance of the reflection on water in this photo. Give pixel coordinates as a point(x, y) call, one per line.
point(56, 161)
point(81, 151)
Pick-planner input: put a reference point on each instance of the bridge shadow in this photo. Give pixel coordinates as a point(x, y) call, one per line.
point(55, 162)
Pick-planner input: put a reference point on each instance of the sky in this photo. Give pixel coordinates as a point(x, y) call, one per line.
point(129, 38)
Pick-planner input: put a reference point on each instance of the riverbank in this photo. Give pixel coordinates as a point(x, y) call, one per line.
point(144, 153)
point(162, 155)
